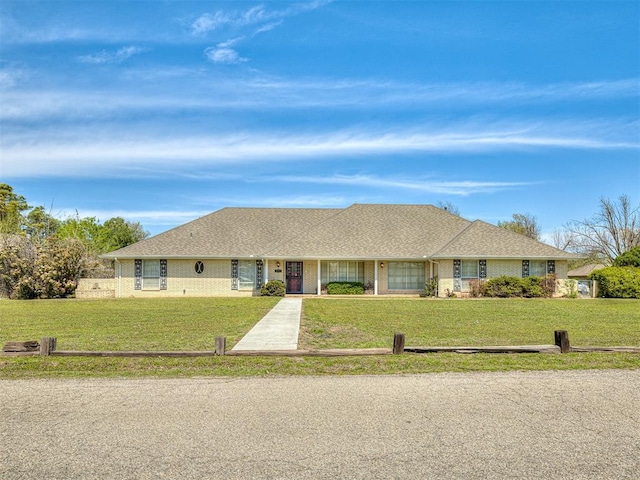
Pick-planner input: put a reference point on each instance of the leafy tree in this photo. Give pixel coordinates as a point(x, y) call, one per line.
point(11, 208)
point(628, 259)
point(524, 224)
point(612, 231)
point(39, 224)
point(117, 233)
point(86, 230)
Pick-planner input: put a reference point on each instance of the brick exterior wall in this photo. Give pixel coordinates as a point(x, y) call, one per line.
point(215, 280)
point(96, 288)
point(498, 268)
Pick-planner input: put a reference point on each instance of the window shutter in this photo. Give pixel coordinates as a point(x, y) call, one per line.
point(138, 274)
point(163, 274)
point(457, 275)
point(525, 268)
point(234, 274)
point(259, 265)
point(551, 267)
point(483, 269)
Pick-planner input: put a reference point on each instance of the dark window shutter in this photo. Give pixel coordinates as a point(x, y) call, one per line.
point(483, 269)
point(163, 274)
point(259, 265)
point(551, 267)
point(457, 275)
point(234, 274)
point(525, 268)
point(138, 274)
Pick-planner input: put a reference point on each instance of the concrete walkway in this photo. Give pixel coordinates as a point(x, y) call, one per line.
point(278, 330)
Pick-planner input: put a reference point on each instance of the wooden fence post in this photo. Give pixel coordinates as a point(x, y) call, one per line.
point(221, 345)
point(562, 340)
point(398, 343)
point(47, 345)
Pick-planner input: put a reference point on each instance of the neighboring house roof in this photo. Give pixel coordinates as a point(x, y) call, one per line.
point(585, 270)
point(360, 231)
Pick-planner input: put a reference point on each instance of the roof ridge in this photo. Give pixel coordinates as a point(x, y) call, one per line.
point(453, 239)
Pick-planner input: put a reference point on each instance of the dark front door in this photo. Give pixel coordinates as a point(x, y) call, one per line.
point(294, 277)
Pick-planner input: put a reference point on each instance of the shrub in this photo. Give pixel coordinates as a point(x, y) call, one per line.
point(532, 287)
point(528, 287)
point(273, 288)
point(345, 288)
point(630, 258)
point(504, 287)
point(618, 282)
point(431, 287)
point(477, 288)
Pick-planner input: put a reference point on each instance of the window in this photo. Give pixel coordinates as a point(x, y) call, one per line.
point(246, 274)
point(151, 274)
point(406, 276)
point(199, 267)
point(537, 268)
point(342, 272)
point(469, 271)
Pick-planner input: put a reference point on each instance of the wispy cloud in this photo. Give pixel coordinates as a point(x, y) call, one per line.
point(146, 217)
point(116, 153)
point(117, 56)
point(258, 16)
point(225, 53)
point(254, 21)
point(425, 185)
point(208, 92)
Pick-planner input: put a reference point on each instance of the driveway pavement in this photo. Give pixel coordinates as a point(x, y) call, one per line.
point(541, 425)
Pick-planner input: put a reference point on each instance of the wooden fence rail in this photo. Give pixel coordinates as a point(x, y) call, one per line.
point(48, 347)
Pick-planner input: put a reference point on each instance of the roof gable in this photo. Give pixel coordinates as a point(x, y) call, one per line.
point(481, 239)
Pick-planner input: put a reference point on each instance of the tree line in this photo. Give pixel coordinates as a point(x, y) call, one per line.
point(43, 257)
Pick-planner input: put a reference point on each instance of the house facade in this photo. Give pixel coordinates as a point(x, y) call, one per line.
point(392, 249)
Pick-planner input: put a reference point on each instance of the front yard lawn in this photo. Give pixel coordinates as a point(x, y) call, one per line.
point(193, 324)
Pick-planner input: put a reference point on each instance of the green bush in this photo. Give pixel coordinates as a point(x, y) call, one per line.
point(503, 287)
point(618, 282)
point(345, 288)
point(629, 258)
point(529, 287)
point(273, 288)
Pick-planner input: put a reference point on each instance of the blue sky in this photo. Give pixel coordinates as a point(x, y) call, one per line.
point(163, 111)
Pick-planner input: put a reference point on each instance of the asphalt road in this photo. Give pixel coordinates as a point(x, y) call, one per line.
point(583, 424)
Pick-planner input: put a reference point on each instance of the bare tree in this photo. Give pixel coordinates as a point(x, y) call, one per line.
point(449, 207)
point(615, 229)
point(562, 239)
point(523, 223)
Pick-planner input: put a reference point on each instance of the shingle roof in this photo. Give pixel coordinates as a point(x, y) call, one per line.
point(585, 270)
point(488, 241)
point(361, 231)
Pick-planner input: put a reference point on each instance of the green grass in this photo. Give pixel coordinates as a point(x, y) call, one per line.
point(346, 323)
point(193, 324)
point(133, 324)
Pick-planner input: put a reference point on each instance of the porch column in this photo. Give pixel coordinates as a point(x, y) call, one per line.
point(375, 278)
point(265, 274)
point(319, 278)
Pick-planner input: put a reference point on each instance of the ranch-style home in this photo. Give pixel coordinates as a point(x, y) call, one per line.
point(392, 249)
